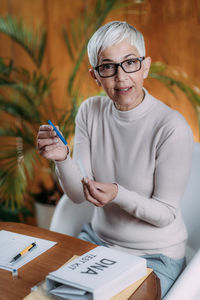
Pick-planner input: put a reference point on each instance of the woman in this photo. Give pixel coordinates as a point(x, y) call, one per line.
point(137, 154)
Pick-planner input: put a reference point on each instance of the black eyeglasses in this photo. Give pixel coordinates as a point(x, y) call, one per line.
point(128, 66)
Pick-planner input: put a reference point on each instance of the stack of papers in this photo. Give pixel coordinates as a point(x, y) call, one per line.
point(13, 243)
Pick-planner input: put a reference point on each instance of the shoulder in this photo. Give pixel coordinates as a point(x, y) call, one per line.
point(168, 117)
point(170, 124)
point(94, 106)
point(95, 102)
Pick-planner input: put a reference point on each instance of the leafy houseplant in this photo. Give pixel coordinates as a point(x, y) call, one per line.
point(22, 102)
point(24, 95)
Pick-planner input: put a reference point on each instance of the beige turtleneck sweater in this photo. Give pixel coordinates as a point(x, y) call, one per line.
point(147, 151)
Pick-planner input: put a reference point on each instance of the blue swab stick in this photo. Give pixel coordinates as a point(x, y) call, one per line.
point(58, 133)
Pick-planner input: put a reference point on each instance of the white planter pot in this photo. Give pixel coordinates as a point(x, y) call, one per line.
point(44, 213)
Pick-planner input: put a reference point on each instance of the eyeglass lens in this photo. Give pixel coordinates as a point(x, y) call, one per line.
point(128, 66)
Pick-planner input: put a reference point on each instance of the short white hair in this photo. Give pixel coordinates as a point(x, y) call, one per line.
point(113, 33)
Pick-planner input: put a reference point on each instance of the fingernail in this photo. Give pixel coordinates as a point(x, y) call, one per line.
point(86, 180)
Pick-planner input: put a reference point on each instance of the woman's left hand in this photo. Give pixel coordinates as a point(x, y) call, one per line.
point(99, 193)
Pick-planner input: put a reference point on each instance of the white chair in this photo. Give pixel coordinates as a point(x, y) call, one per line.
point(187, 286)
point(69, 218)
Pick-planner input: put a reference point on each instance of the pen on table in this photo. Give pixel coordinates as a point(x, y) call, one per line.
point(58, 133)
point(24, 251)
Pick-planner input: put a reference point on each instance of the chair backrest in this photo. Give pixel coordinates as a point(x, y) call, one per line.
point(190, 205)
point(187, 285)
point(69, 217)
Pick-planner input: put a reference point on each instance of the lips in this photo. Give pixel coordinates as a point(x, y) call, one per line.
point(123, 89)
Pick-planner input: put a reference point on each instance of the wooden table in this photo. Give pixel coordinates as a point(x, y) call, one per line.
point(36, 270)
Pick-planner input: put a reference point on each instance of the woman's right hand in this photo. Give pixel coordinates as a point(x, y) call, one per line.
point(49, 144)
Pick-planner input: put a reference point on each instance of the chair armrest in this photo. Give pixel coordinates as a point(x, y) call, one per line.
point(187, 285)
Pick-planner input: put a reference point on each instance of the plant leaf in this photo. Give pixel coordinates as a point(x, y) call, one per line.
point(32, 42)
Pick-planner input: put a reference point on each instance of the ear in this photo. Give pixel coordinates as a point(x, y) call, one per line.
point(93, 75)
point(147, 65)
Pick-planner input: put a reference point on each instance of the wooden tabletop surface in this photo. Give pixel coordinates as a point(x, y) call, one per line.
point(36, 270)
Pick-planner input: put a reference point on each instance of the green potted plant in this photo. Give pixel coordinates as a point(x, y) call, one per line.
point(23, 104)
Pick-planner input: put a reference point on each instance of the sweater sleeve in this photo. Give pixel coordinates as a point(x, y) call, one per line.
point(172, 168)
point(68, 171)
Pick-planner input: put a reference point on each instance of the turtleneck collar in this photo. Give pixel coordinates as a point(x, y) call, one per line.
point(137, 112)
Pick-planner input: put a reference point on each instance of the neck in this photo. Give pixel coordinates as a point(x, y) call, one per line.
point(129, 107)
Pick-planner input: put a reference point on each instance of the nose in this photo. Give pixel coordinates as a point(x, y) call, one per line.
point(120, 73)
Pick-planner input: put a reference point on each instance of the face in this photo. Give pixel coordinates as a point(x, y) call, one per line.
point(124, 89)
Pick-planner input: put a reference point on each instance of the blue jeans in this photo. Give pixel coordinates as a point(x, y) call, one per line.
point(166, 268)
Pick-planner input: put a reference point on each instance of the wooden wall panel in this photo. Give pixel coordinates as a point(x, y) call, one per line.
point(58, 15)
point(171, 30)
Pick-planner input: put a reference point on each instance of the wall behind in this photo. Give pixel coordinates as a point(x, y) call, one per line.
point(171, 30)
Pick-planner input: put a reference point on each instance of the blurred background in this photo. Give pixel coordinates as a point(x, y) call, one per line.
point(44, 75)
